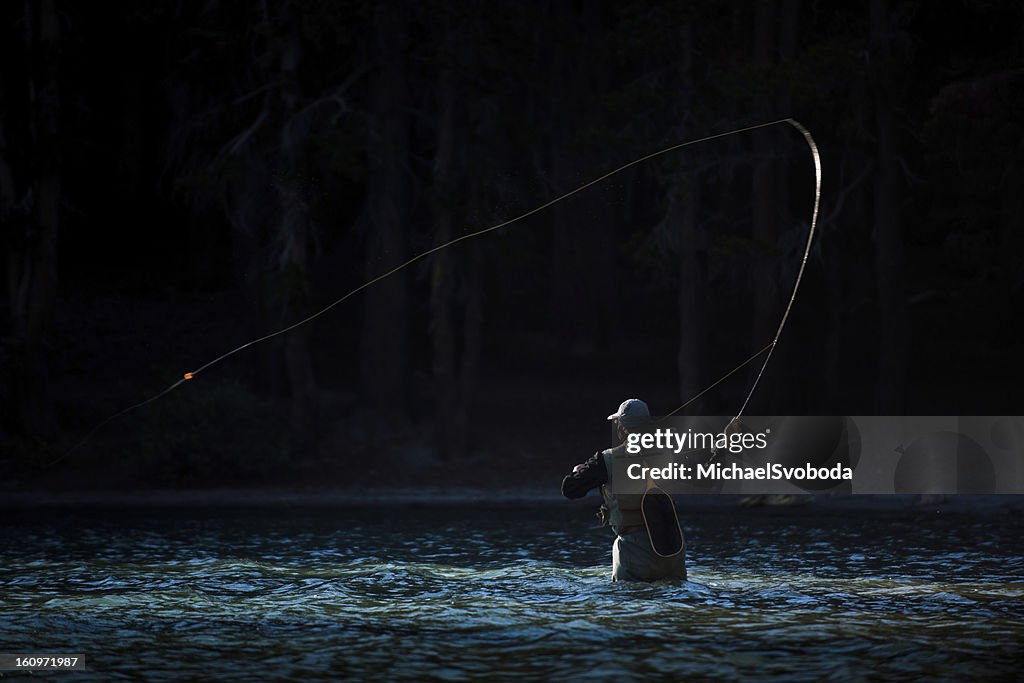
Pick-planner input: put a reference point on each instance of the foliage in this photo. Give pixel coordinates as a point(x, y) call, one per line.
point(219, 431)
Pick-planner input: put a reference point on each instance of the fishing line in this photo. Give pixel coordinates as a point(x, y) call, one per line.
point(770, 348)
point(115, 416)
point(719, 380)
point(418, 257)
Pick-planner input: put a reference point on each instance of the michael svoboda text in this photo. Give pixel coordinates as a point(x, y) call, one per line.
point(771, 471)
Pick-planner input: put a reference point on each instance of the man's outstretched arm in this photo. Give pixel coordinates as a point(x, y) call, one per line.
point(585, 476)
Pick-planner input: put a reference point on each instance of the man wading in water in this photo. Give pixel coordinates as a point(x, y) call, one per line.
point(648, 541)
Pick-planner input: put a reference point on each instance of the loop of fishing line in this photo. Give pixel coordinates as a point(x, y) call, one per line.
point(770, 348)
point(803, 262)
point(478, 233)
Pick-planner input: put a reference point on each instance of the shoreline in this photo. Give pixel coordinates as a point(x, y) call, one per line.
point(480, 497)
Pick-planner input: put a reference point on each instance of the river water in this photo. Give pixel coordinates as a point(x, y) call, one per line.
point(457, 593)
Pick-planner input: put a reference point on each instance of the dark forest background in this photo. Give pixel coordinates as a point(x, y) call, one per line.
point(177, 178)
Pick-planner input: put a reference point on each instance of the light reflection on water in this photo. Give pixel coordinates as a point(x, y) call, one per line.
point(457, 593)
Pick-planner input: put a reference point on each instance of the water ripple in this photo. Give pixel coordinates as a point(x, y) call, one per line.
point(456, 594)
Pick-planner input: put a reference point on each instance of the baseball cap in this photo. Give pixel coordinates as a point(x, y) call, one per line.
point(631, 407)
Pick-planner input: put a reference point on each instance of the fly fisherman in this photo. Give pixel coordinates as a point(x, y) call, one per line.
point(648, 541)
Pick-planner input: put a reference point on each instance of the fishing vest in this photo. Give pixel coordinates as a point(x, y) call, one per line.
point(624, 510)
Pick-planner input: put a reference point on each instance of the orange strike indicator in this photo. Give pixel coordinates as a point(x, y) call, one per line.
point(188, 375)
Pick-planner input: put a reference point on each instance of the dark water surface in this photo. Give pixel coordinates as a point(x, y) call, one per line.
point(459, 593)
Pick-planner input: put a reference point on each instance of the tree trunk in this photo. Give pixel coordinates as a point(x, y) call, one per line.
point(294, 239)
point(582, 257)
point(693, 301)
point(13, 231)
point(787, 357)
point(455, 360)
point(442, 285)
point(582, 306)
point(567, 312)
point(596, 237)
point(250, 212)
point(765, 231)
point(32, 265)
point(294, 269)
point(694, 282)
point(890, 386)
point(472, 337)
point(384, 346)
